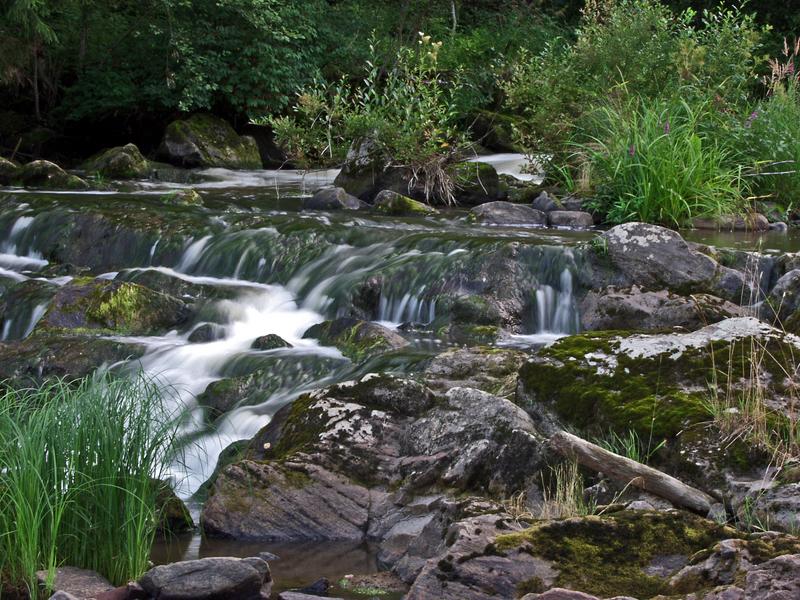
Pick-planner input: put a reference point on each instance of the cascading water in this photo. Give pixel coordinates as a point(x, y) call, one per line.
point(556, 312)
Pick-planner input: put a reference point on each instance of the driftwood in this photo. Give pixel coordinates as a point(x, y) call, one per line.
point(627, 471)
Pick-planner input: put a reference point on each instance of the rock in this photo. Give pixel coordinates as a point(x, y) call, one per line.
point(68, 356)
point(545, 203)
point(392, 203)
point(492, 370)
point(174, 516)
point(332, 199)
point(82, 583)
point(752, 222)
point(560, 594)
point(507, 213)
point(656, 258)
point(8, 171)
point(657, 386)
point(778, 507)
point(356, 339)
point(301, 596)
point(320, 587)
point(109, 305)
point(269, 342)
point(46, 175)
point(63, 596)
point(367, 171)
point(572, 203)
point(784, 298)
point(476, 183)
point(777, 579)
point(121, 162)
point(207, 332)
point(206, 141)
point(208, 579)
point(184, 197)
point(632, 308)
point(570, 219)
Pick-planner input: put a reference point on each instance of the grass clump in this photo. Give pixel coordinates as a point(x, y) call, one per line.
point(80, 470)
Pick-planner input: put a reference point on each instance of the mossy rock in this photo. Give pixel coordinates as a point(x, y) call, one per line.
point(654, 384)
point(269, 342)
point(185, 197)
point(120, 162)
point(206, 141)
point(392, 203)
point(174, 517)
point(476, 183)
point(617, 554)
point(357, 340)
point(104, 306)
point(8, 171)
point(42, 174)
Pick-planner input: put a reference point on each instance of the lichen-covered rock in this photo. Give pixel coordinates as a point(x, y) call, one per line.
point(507, 213)
point(206, 141)
point(476, 183)
point(654, 384)
point(391, 203)
point(570, 219)
point(116, 306)
point(356, 339)
point(8, 171)
point(633, 308)
point(43, 174)
point(492, 370)
point(332, 199)
point(657, 258)
point(120, 162)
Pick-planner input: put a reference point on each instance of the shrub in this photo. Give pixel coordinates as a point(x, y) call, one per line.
point(78, 465)
point(655, 161)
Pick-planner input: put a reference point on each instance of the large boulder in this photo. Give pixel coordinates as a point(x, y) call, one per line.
point(120, 162)
point(658, 258)
point(476, 183)
point(209, 579)
point(633, 308)
point(570, 219)
point(507, 213)
point(367, 170)
point(356, 339)
point(8, 171)
point(43, 174)
point(116, 306)
point(79, 583)
point(206, 141)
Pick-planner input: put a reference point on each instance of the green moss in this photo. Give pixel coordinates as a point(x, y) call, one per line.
point(186, 197)
point(607, 555)
point(392, 203)
point(121, 309)
point(534, 585)
point(301, 430)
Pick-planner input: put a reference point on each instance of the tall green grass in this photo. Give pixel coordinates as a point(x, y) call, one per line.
point(78, 464)
point(656, 161)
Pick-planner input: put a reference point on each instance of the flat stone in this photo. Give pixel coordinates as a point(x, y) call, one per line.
point(570, 219)
point(207, 579)
point(507, 213)
point(82, 583)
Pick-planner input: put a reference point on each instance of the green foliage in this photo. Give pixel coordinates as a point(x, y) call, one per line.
point(77, 469)
point(630, 445)
point(409, 111)
point(653, 161)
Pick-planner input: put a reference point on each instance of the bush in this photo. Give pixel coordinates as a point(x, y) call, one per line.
point(78, 465)
point(409, 111)
point(655, 161)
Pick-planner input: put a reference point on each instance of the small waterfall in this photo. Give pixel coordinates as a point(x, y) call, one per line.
point(409, 308)
point(556, 312)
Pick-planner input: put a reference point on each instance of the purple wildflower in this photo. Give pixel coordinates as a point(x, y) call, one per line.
point(666, 128)
point(632, 150)
point(753, 116)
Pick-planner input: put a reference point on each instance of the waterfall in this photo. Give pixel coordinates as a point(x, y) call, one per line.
point(556, 312)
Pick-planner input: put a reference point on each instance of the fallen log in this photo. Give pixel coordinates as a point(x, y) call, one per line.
point(629, 472)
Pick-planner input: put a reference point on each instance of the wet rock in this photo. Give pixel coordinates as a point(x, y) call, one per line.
point(174, 516)
point(113, 306)
point(332, 199)
point(356, 339)
point(302, 596)
point(8, 171)
point(656, 258)
point(633, 308)
point(375, 584)
point(492, 370)
point(43, 174)
point(507, 213)
point(752, 222)
point(391, 203)
point(570, 219)
point(173, 285)
point(184, 197)
point(121, 162)
point(81, 583)
point(269, 342)
point(778, 507)
point(560, 594)
point(367, 171)
point(206, 141)
point(784, 298)
point(545, 203)
point(476, 183)
point(70, 356)
point(207, 332)
point(209, 579)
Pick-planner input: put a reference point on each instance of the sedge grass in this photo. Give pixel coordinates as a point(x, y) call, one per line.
point(78, 464)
